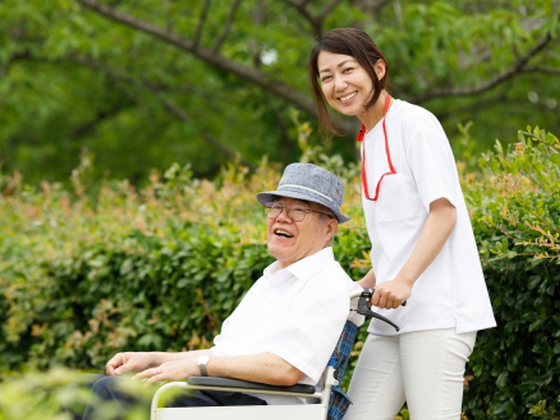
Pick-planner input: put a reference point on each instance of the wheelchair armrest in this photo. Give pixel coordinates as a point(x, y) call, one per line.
point(246, 385)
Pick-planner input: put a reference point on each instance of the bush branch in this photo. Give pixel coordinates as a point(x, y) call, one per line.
point(542, 69)
point(227, 25)
point(201, 22)
point(317, 20)
point(517, 68)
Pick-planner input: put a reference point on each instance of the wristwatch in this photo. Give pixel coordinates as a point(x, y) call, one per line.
point(202, 362)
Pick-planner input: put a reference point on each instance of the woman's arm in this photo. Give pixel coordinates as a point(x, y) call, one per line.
point(368, 280)
point(437, 229)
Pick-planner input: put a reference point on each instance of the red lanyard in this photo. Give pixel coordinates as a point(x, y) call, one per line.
point(361, 137)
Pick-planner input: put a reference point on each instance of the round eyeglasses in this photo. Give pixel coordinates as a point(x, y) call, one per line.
point(295, 212)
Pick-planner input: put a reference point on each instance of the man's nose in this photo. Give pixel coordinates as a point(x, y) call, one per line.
point(284, 216)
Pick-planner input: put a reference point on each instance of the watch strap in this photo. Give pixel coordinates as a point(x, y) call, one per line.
point(202, 362)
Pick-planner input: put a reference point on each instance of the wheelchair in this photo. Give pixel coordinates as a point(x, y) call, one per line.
point(331, 401)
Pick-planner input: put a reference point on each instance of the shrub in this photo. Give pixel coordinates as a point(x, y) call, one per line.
point(55, 394)
point(516, 217)
point(159, 268)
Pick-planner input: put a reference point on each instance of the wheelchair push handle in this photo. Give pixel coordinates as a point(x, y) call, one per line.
point(364, 308)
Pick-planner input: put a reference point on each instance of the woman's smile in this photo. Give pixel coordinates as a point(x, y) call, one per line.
point(348, 97)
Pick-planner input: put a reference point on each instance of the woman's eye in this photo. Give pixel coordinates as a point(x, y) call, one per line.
point(348, 69)
point(325, 79)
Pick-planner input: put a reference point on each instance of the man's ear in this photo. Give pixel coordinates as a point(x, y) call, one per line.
point(332, 227)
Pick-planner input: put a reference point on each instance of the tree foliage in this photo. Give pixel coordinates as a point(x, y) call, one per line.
point(143, 84)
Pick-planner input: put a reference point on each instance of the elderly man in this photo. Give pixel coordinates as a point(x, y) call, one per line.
point(285, 328)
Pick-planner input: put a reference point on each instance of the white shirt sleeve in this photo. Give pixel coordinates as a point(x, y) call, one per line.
point(431, 160)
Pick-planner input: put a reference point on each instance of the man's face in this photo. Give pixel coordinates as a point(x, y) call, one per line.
point(289, 241)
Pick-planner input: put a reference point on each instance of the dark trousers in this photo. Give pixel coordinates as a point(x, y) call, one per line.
point(107, 388)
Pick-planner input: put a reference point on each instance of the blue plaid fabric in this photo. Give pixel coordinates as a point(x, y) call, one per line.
point(339, 401)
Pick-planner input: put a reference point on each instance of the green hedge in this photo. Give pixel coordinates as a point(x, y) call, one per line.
point(160, 268)
point(516, 218)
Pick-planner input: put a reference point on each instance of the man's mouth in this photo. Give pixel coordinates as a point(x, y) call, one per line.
point(347, 97)
point(283, 233)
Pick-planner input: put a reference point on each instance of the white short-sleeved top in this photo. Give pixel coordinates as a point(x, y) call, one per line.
point(296, 313)
point(452, 291)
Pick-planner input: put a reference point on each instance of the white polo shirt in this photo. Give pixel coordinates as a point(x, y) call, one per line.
point(452, 291)
point(296, 313)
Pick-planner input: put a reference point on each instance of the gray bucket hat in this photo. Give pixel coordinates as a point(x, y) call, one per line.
point(304, 181)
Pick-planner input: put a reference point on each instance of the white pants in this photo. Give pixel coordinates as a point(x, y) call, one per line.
point(423, 368)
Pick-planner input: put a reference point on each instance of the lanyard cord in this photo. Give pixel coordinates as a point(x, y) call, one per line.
point(361, 137)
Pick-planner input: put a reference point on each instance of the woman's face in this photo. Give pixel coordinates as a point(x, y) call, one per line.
point(345, 83)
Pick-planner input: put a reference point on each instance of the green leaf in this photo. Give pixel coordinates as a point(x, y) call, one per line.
point(502, 380)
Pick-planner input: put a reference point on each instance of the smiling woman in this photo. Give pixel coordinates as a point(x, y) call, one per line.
point(423, 247)
point(350, 63)
point(345, 83)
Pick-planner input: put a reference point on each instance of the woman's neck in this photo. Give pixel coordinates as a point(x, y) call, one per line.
point(375, 113)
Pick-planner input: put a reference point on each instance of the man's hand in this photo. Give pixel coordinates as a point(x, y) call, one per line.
point(391, 294)
point(122, 363)
point(177, 370)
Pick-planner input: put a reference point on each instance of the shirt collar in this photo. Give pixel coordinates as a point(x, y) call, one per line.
point(305, 267)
